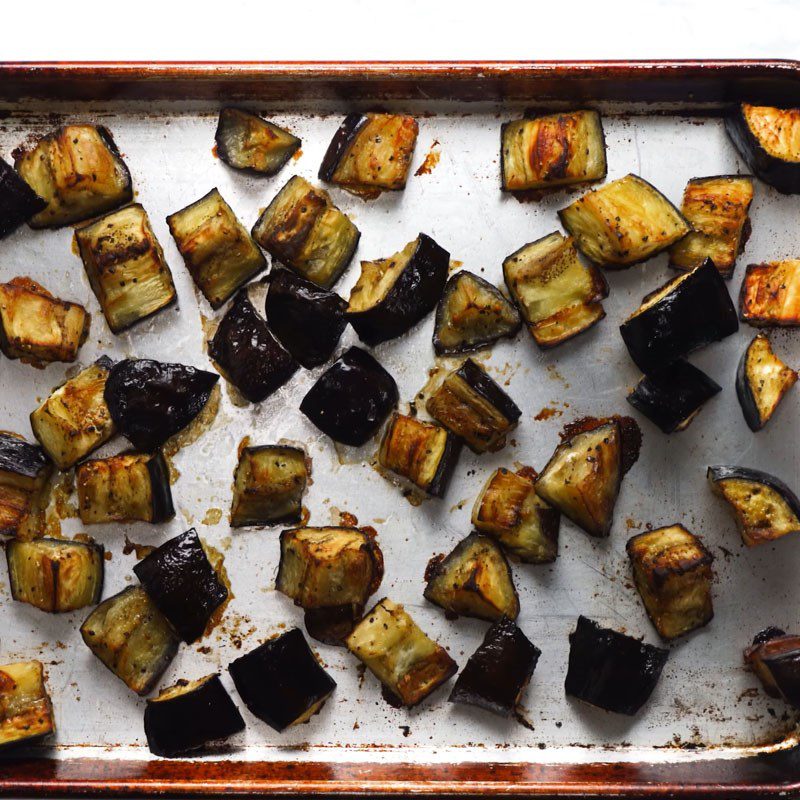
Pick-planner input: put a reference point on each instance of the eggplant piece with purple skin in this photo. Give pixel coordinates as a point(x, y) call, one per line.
point(249, 143)
point(24, 471)
point(774, 656)
point(18, 202)
point(26, 713)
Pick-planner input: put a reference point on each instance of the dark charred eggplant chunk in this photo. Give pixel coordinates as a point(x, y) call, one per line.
point(282, 681)
point(474, 580)
point(24, 471)
point(18, 202)
point(189, 716)
point(610, 670)
point(352, 398)
point(183, 583)
point(307, 320)
point(764, 506)
point(499, 671)
point(132, 638)
point(690, 311)
point(770, 294)
point(150, 401)
point(762, 381)
point(26, 713)
point(393, 294)
point(55, 575)
point(768, 139)
point(672, 397)
point(774, 656)
point(247, 354)
point(246, 141)
point(473, 407)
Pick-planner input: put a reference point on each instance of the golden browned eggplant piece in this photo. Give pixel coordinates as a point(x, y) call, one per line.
point(18, 202)
point(26, 713)
point(246, 141)
point(774, 656)
point(770, 294)
point(24, 471)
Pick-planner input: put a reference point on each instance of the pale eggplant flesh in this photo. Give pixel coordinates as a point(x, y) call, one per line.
point(26, 712)
point(24, 471)
point(247, 142)
point(18, 202)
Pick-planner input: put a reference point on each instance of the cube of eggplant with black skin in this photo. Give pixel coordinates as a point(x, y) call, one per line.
point(78, 171)
point(399, 654)
point(352, 398)
point(282, 681)
point(770, 294)
point(717, 209)
point(18, 202)
point(421, 453)
point(37, 327)
point(474, 580)
point(247, 142)
point(124, 488)
point(268, 485)
point(774, 656)
point(24, 472)
point(765, 508)
point(56, 575)
point(762, 381)
point(26, 713)
point(190, 715)
point(672, 571)
point(75, 420)
point(499, 671)
point(509, 510)
point(473, 407)
point(370, 153)
point(184, 584)
point(552, 150)
point(623, 223)
point(247, 354)
point(558, 296)
point(304, 230)
point(471, 315)
point(132, 638)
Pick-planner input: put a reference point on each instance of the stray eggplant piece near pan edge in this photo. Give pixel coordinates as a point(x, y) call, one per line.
point(245, 141)
point(282, 681)
point(399, 654)
point(132, 638)
point(673, 396)
point(352, 398)
point(56, 575)
point(183, 584)
point(689, 311)
point(774, 656)
point(765, 508)
point(78, 171)
point(189, 715)
point(393, 294)
point(18, 202)
point(24, 471)
point(762, 380)
point(770, 294)
point(26, 713)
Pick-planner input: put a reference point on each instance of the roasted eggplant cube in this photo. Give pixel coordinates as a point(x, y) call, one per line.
point(246, 141)
point(247, 354)
point(370, 152)
point(623, 223)
point(352, 398)
point(26, 713)
point(55, 575)
point(125, 266)
point(190, 715)
point(499, 671)
point(307, 320)
point(132, 638)
point(610, 670)
point(558, 295)
point(78, 171)
point(24, 471)
point(473, 407)
point(183, 583)
point(37, 327)
point(125, 488)
point(672, 571)
point(393, 294)
point(762, 380)
point(765, 508)
point(18, 202)
point(774, 656)
point(304, 230)
point(509, 510)
point(420, 453)
point(282, 681)
point(474, 580)
point(399, 654)
point(690, 311)
point(552, 150)
point(770, 294)
point(671, 397)
point(717, 209)
point(268, 485)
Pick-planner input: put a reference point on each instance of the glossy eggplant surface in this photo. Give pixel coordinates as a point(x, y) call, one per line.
point(26, 712)
point(18, 202)
point(774, 656)
point(24, 471)
point(247, 142)
point(770, 294)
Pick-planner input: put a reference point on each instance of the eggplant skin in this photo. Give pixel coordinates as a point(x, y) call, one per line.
point(774, 656)
point(26, 713)
point(24, 471)
point(249, 143)
point(770, 294)
point(18, 202)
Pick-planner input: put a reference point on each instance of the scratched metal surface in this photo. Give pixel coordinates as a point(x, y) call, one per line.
point(705, 697)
